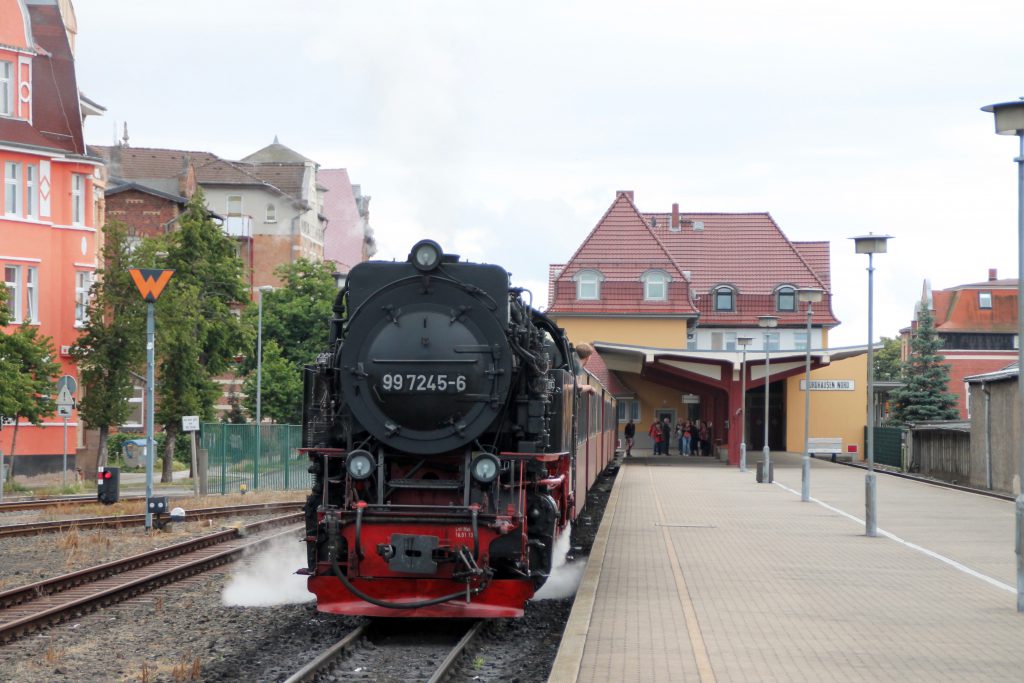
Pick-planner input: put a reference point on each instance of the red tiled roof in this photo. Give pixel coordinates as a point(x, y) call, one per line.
point(622, 248)
point(957, 310)
point(55, 106)
point(711, 248)
point(596, 366)
point(148, 163)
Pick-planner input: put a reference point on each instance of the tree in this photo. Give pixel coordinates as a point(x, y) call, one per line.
point(888, 367)
point(924, 396)
point(8, 366)
point(112, 343)
point(282, 383)
point(296, 317)
point(30, 387)
point(198, 335)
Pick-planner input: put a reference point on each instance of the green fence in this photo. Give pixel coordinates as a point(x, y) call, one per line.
point(267, 460)
point(889, 446)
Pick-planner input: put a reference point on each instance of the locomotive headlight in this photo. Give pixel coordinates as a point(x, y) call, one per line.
point(426, 255)
point(485, 468)
point(359, 464)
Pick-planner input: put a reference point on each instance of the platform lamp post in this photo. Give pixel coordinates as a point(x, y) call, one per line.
point(259, 383)
point(743, 343)
point(767, 322)
point(809, 296)
point(871, 244)
point(1009, 117)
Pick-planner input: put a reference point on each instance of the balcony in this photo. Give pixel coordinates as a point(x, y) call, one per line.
point(238, 226)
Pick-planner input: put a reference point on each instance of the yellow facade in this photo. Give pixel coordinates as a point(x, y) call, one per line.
point(833, 413)
point(664, 333)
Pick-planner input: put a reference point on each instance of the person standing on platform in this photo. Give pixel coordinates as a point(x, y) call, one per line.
point(705, 444)
point(655, 433)
point(628, 433)
point(678, 436)
point(687, 437)
point(666, 434)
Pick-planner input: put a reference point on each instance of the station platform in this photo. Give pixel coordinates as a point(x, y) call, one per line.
point(698, 573)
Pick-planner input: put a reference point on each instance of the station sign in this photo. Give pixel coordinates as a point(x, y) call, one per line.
point(828, 385)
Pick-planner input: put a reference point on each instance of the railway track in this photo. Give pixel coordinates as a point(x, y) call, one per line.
point(934, 482)
point(40, 503)
point(416, 652)
point(30, 528)
point(37, 605)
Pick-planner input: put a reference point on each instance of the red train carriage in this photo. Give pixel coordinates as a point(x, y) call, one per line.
point(452, 435)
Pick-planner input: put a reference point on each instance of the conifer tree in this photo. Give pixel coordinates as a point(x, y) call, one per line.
point(112, 343)
point(924, 396)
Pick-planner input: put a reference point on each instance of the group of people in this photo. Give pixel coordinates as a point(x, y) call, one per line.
point(691, 438)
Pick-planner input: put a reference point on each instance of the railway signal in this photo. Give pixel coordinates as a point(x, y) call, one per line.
point(108, 484)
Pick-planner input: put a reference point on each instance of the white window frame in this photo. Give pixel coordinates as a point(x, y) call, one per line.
point(718, 291)
point(77, 199)
point(7, 88)
point(271, 213)
point(588, 285)
point(31, 191)
point(12, 188)
point(985, 300)
point(12, 280)
point(32, 295)
point(227, 205)
point(656, 285)
point(800, 340)
point(774, 341)
point(83, 283)
point(628, 409)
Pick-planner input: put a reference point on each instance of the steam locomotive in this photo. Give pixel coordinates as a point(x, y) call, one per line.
point(452, 433)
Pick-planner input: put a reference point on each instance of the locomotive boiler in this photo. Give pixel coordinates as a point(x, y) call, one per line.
point(452, 434)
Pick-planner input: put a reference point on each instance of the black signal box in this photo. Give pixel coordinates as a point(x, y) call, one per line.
point(108, 485)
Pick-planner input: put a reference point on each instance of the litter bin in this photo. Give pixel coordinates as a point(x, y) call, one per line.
point(108, 484)
point(760, 472)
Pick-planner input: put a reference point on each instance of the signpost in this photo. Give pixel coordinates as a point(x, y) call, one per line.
point(150, 284)
point(66, 387)
point(190, 423)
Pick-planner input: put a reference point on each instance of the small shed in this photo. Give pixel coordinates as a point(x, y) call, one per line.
point(994, 409)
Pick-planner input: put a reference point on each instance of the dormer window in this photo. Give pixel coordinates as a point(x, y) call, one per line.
point(984, 299)
point(785, 299)
point(655, 285)
point(588, 284)
point(725, 298)
point(6, 89)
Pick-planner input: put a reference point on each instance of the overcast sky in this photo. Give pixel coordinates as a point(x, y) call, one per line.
point(503, 130)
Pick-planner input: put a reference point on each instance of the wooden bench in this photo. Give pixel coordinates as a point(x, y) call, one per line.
point(825, 445)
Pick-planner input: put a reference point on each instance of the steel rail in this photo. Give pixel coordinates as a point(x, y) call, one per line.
point(310, 671)
point(41, 604)
point(37, 503)
point(935, 482)
point(448, 663)
point(30, 528)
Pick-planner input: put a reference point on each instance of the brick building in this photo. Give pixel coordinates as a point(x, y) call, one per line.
point(53, 200)
point(977, 324)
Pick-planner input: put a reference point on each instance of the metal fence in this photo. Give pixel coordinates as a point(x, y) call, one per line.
point(267, 460)
point(889, 446)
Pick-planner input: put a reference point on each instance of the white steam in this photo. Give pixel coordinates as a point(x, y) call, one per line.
point(565, 577)
point(269, 577)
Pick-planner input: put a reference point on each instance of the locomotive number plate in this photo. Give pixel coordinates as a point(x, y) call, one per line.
point(415, 383)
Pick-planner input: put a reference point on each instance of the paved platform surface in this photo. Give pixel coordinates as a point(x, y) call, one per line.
point(700, 574)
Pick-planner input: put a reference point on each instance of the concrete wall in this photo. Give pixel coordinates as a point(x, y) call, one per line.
point(833, 413)
point(1004, 427)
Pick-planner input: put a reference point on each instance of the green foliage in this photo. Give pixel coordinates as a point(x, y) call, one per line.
point(295, 320)
point(281, 388)
point(112, 344)
point(888, 366)
point(182, 447)
point(924, 396)
point(28, 373)
point(198, 336)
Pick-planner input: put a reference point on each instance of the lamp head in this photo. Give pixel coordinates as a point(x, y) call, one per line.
point(1009, 117)
point(810, 295)
point(871, 243)
point(767, 321)
point(744, 341)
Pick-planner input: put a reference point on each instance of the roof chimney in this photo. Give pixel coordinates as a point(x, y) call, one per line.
point(992, 275)
point(627, 193)
point(675, 218)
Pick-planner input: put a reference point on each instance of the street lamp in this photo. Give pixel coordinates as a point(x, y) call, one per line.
point(767, 322)
point(259, 379)
point(810, 296)
point(871, 244)
point(743, 342)
point(1009, 118)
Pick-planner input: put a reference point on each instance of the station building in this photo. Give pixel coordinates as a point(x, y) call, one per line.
point(666, 300)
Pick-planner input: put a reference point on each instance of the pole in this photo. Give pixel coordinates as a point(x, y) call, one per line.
point(64, 472)
point(1020, 365)
point(2, 473)
point(870, 491)
point(767, 392)
point(259, 388)
point(805, 488)
point(195, 467)
point(743, 412)
point(150, 381)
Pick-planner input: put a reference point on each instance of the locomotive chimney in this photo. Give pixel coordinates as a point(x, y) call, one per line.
point(992, 275)
point(675, 218)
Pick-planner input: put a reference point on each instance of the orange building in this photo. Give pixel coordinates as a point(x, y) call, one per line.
point(52, 196)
